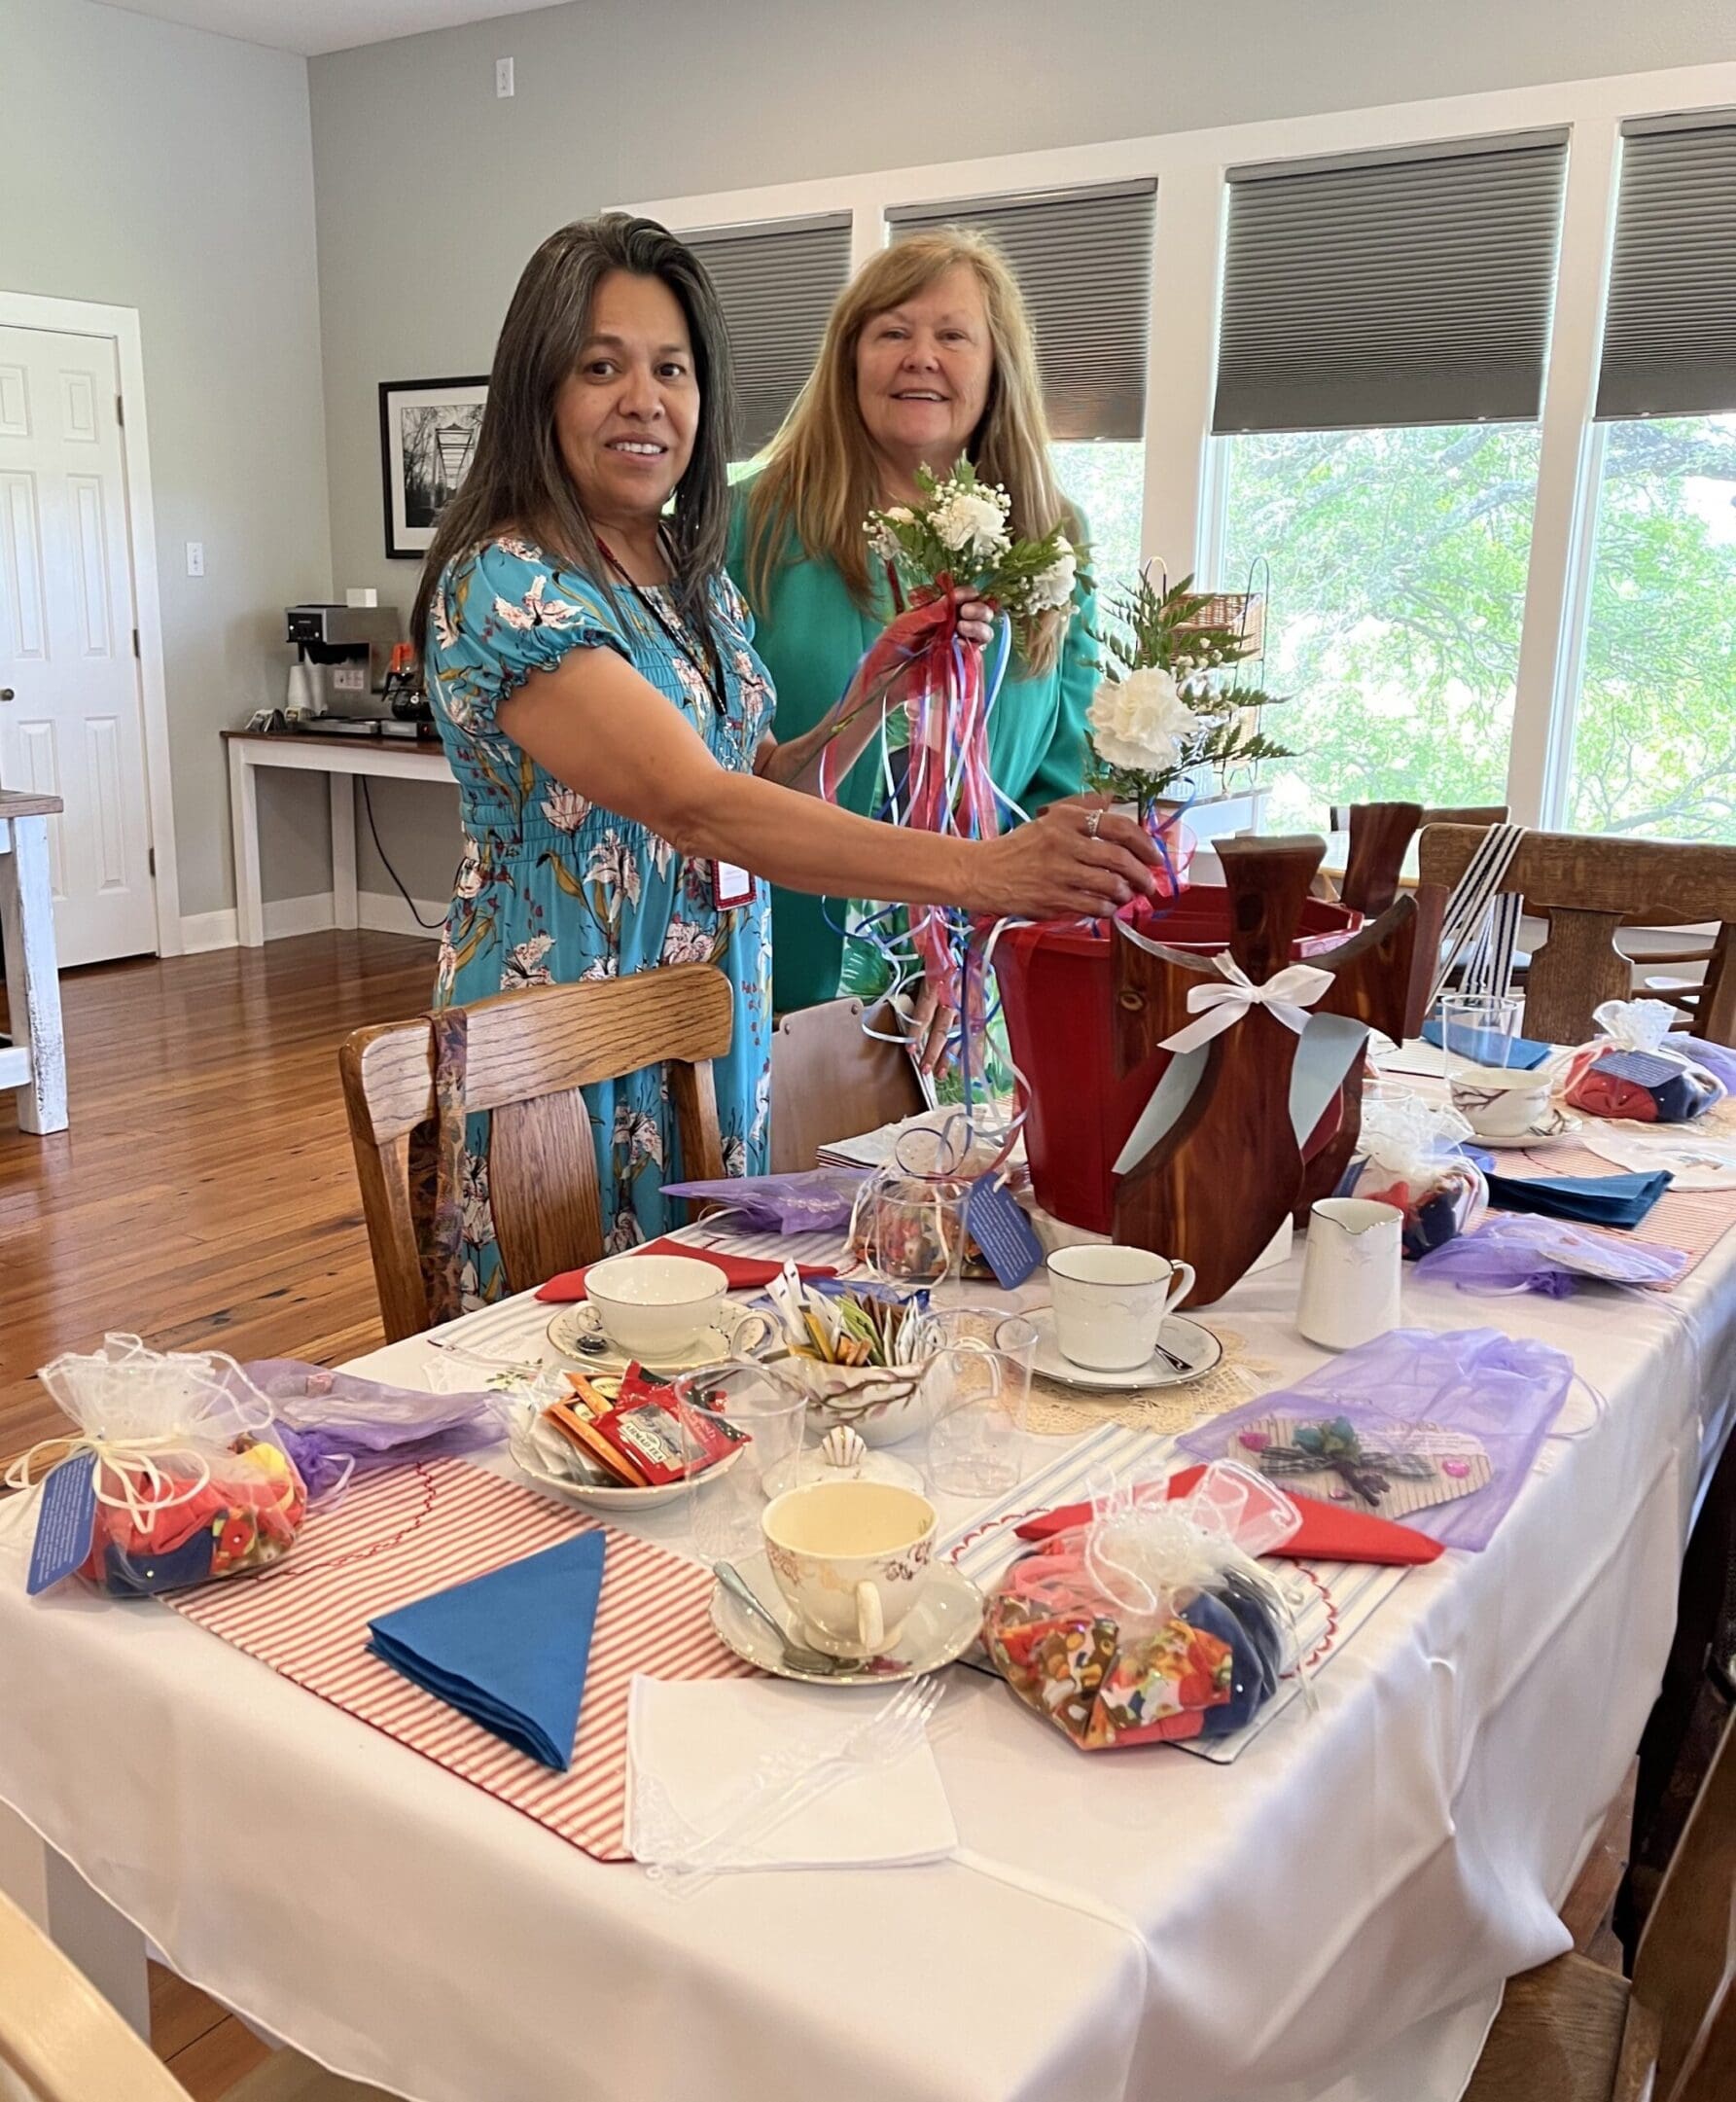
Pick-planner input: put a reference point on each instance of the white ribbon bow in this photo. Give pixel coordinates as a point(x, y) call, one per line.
point(1285, 997)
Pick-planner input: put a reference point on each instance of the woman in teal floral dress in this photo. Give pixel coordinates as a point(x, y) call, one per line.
point(593, 675)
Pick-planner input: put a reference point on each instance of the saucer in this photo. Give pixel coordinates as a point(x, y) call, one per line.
point(1186, 1339)
point(1561, 1126)
point(575, 1325)
point(944, 1623)
point(605, 1495)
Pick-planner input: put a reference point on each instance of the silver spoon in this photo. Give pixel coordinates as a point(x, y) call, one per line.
point(798, 1655)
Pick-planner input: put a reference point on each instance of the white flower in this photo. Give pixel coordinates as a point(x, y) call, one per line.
point(1051, 589)
point(472, 1199)
point(686, 943)
point(448, 970)
point(624, 1233)
point(565, 808)
point(614, 866)
point(637, 1136)
point(1141, 723)
point(972, 522)
point(535, 611)
point(883, 542)
point(468, 882)
point(524, 965)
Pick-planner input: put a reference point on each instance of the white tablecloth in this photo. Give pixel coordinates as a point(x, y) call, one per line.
point(1327, 1920)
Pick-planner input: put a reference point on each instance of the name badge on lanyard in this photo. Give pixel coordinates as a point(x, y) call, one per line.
point(730, 886)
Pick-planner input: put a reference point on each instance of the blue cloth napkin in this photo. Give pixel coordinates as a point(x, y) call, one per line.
point(509, 1648)
point(1593, 1200)
point(1524, 1054)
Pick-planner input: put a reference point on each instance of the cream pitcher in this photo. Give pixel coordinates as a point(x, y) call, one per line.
point(1350, 1272)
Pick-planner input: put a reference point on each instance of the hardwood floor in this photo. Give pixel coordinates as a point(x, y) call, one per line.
point(205, 1192)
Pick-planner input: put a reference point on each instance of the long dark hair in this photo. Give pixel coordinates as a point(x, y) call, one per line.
point(518, 479)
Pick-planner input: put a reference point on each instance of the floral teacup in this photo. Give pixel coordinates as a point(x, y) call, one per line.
point(852, 1558)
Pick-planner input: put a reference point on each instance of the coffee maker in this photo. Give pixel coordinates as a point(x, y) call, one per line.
point(342, 653)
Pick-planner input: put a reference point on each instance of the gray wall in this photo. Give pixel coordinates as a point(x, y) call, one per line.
point(151, 167)
point(432, 192)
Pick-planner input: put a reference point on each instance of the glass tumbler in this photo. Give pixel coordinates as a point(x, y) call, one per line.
point(728, 1496)
point(977, 1385)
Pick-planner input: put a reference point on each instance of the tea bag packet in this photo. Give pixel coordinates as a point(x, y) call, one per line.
point(171, 1479)
point(1630, 1071)
point(1153, 1622)
point(1408, 1156)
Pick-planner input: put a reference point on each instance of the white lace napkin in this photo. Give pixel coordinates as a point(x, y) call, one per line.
point(697, 1752)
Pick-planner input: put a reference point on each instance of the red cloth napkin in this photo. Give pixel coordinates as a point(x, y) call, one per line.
point(744, 1273)
point(1330, 1532)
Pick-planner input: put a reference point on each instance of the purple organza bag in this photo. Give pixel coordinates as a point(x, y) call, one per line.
point(1516, 1252)
point(811, 1200)
point(1717, 1058)
point(1502, 1390)
point(331, 1424)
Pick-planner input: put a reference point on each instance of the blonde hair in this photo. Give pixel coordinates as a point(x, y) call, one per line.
point(822, 475)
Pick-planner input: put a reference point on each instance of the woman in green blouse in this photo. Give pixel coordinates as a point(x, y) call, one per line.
point(927, 357)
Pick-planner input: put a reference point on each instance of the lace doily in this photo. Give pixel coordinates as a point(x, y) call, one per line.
point(1236, 1377)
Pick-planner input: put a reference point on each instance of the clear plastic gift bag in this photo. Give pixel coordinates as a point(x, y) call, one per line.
point(1633, 1069)
point(1153, 1623)
point(186, 1484)
point(1408, 1156)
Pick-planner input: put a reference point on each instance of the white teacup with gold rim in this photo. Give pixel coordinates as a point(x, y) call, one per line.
point(852, 1558)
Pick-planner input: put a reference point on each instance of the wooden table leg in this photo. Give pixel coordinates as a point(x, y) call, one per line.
point(32, 976)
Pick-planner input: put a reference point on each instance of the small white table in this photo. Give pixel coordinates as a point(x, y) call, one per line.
point(34, 1060)
point(341, 756)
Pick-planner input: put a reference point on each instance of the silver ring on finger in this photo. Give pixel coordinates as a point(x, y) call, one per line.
point(1094, 820)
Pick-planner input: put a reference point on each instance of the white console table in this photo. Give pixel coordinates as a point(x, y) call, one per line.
point(341, 757)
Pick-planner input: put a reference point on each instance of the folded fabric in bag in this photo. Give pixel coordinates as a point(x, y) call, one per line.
point(1593, 1200)
point(1501, 1390)
point(509, 1650)
point(1632, 1071)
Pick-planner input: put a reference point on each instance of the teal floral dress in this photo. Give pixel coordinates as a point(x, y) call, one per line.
point(553, 889)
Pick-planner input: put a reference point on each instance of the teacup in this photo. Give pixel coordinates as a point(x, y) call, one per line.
point(1111, 1302)
point(1502, 1104)
point(655, 1307)
point(852, 1558)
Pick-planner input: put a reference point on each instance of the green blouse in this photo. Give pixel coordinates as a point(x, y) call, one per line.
point(811, 634)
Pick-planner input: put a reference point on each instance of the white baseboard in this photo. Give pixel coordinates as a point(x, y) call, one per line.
point(380, 913)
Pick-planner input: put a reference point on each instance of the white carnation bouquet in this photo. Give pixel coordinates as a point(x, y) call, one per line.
point(958, 535)
point(1174, 700)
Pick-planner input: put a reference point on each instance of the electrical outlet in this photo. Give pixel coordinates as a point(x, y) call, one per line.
point(195, 557)
point(503, 77)
point(349, 678)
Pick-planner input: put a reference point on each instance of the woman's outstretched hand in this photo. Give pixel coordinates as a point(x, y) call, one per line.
point(1077, 860)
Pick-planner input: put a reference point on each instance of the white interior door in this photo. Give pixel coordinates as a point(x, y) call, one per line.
point(70, 718)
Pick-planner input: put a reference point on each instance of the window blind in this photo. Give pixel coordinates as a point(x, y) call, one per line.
point(778, 282)
point(1395, 289)
point(1670, 329)
point(1084, 261)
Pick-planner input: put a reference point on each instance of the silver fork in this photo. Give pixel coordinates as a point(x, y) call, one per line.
point(776, 1796)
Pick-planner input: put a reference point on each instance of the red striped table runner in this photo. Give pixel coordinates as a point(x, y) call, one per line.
point(406, 1532)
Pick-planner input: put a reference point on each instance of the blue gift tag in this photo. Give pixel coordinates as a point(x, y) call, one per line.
point(1001, 1229)
point(65, 1519)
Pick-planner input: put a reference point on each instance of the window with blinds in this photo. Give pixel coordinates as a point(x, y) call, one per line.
point(1670, 328)
point(778, 282)
point(1084, 261)
point(1407, 288)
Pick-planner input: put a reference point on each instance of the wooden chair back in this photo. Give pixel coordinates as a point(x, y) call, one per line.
point(830, 1080)
point(529, 1053)
point(1685, 1970)
point(1587, 886)
point(60, 2039)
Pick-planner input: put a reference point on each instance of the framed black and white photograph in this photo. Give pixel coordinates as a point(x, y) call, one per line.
point(428, 432)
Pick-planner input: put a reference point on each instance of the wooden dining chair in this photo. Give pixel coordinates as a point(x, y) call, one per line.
point(528, 1054)
point(1379, 836)
point(1586, 886)
point(61, 2041)
point(1570, 2031)
point(830, 1080)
